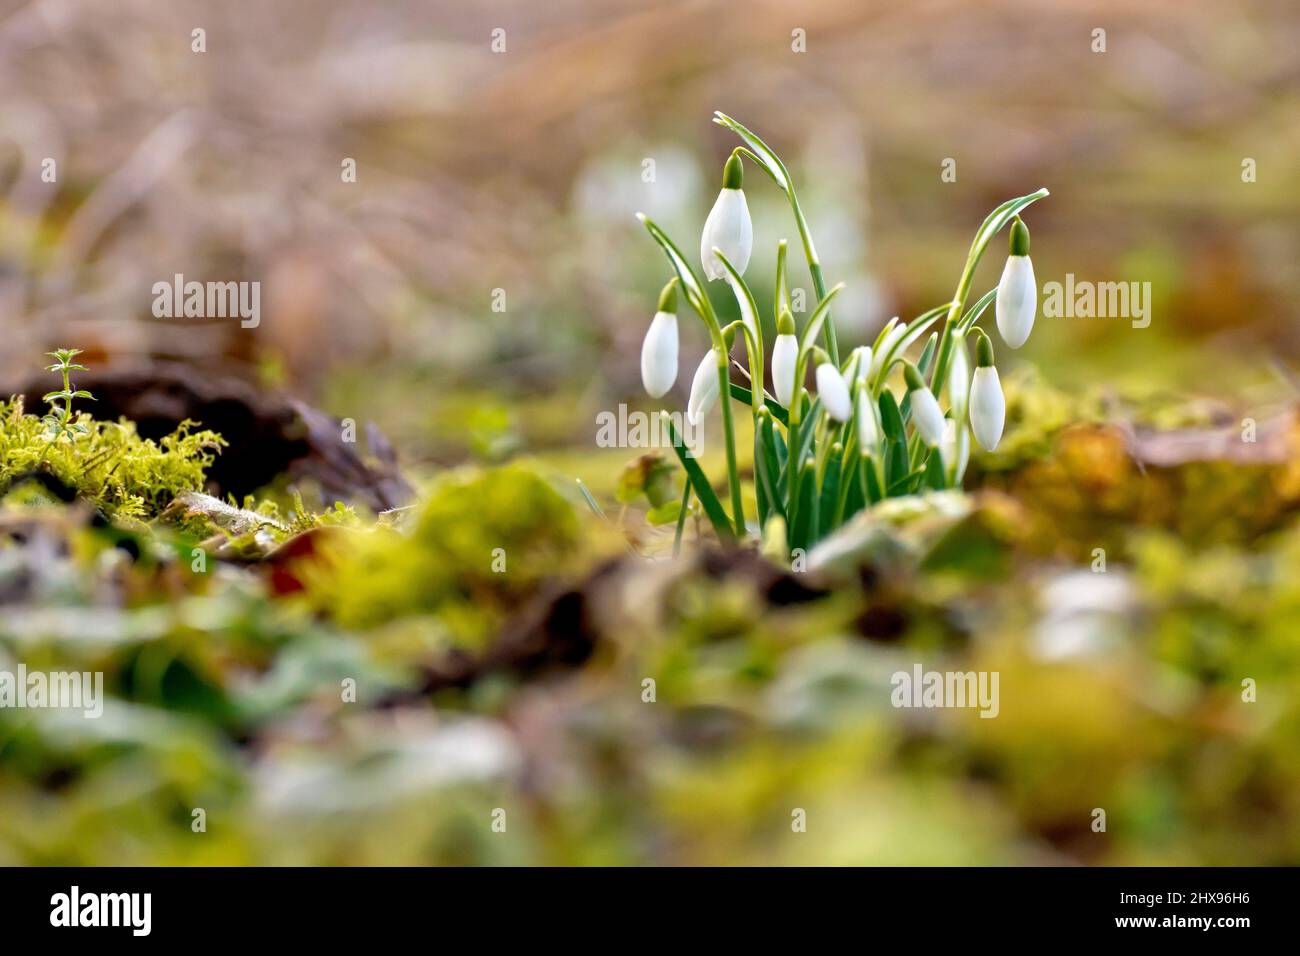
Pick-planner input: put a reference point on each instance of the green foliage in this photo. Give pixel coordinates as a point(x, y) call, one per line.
point(482, 544)
point(651, 478)
point(813, 471)
point(108, 463)
point(59, 420)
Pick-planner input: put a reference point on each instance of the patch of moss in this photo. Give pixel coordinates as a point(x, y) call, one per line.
point(481, 545)
point(106, 463)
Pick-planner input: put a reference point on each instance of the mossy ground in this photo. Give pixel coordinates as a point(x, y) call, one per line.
point(318, 723)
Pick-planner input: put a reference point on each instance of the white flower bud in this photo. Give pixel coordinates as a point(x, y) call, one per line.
point(704, 388)
point(785, 356)
point(924, 410)
point(728, 227)
point(860, 363)
point(833, 392)
point(868, 429)
point(659, 355)
point(1017, 300)
point(988, 408)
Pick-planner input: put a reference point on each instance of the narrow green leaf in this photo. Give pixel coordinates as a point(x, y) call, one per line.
point(898, 472)
point(766, 464)
point(691, 285)
point(591, 502)
point(830, 494)
point(934, 477)
point(927, 354)
point(764, 155)
point(891, 422)
point(814, 326)
point(896, 350)
point(745, 396)
point(781, 297)
point(905, 483)
point(703, 490)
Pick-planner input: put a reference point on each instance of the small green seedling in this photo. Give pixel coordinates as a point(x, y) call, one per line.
point(59, 419)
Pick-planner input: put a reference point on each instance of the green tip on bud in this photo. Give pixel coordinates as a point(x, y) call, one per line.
point(983, 350)
point(733, 174)
point(1019, 237)
point(819, 356)
point(668, 297)
point(785, 322)
point(912, 377)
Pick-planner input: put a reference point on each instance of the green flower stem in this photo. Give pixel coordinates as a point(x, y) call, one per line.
point(681, 518)
point(699, 300)
point(792, 444)
point(809, 252)
point(990, 228)
point(753, 337)
point(729, 433)
point(772, 164)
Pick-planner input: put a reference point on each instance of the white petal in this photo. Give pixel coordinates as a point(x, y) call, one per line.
point(868, 430)
point(742, 302)
point(894, 331)
point(1017, 301)
point(948, 444)
point(731, 230)
point(833, 392)
point(704, 388)
point(959, 377)
point(860, 364)
point(659, 355)
point(785, 355)
point(926, 416)
point(988, 408)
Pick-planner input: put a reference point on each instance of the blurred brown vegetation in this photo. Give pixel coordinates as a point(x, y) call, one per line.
point(521, 171)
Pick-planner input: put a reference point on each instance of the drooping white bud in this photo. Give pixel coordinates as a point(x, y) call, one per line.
point(704, 388)
point(833, 392)
point(785, 358)
point(954, 450)
point(728, 226)
point(926, 415)
point(860, 364)
point(958, 376)
point(868, 428)
point(1017, 299)
point(659, 350)
point(785, 355)
point(988, 407)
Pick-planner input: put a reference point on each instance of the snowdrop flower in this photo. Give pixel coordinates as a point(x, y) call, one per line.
point(925, 408)
point(728, 227)
point(659, 350)
point(954, 450)
point(958, 376)
point(785, 356)
point(704, 386)
point(832, 390)
point(860, 364)
point(988, 409)
point(1017, 292)
point(868, 429)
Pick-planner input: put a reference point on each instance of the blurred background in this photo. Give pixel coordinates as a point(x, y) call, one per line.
point(479, 293)
point(521, 171)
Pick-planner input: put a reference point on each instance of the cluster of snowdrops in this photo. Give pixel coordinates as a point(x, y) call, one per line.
point(820, 457)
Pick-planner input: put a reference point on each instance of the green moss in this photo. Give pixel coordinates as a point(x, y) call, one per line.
point(482, 544)
point(106, 463)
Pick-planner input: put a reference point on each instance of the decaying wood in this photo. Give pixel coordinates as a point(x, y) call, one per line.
point(269, 433)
